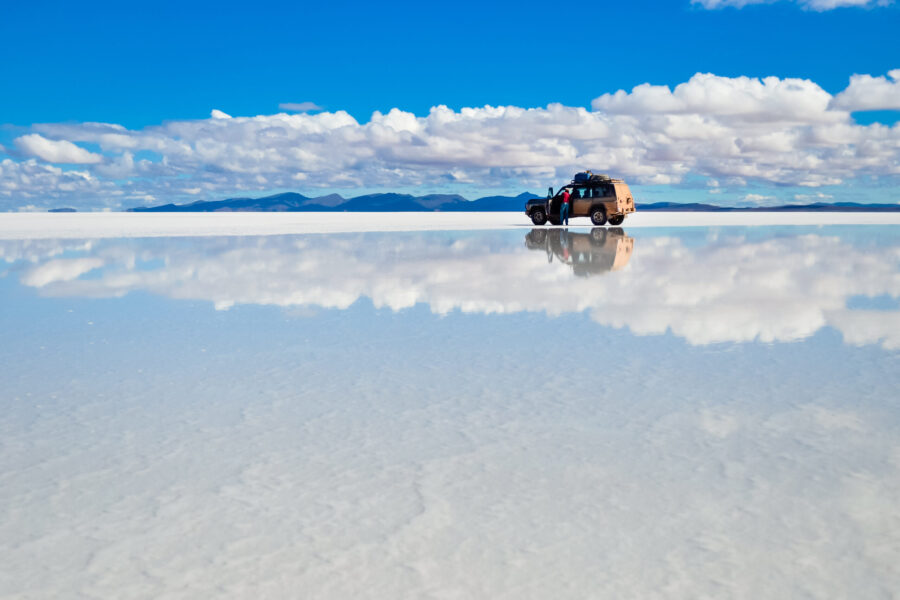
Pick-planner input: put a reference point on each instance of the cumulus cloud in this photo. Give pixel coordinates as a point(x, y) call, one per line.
point(299, 106)
point(729, 289)
point(736, 99)
point(817, 5)
point(817, 197)
point(55, 151)
point(759, 199)
point(870, 93)
point(61, 269)
point(741, 129)
point(35, 184)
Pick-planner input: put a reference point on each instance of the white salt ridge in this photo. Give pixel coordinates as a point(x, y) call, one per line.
point(100, 225)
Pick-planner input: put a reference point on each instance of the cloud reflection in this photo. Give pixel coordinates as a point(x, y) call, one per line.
point(727, 287)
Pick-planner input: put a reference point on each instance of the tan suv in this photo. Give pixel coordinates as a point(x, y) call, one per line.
point(599, 197)
point(601, 250)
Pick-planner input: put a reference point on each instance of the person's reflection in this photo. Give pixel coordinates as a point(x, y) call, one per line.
point(588, 254)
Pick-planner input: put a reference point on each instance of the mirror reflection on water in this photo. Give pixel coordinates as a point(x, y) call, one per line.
point(643, 413)
point(726, 285)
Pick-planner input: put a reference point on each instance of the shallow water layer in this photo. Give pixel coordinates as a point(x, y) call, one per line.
point(491, 414)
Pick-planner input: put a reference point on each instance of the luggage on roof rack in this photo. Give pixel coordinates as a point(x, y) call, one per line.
point(582, 177)
point(589, 177)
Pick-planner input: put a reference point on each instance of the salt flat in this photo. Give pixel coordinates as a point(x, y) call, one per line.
point(520, 413)
point(100, 225)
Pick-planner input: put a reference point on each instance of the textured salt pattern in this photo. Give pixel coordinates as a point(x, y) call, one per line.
point(398, 426)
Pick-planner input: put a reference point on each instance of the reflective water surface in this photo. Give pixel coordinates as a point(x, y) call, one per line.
point(535, 413)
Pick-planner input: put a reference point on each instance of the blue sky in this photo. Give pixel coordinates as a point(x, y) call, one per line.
point(141, 66)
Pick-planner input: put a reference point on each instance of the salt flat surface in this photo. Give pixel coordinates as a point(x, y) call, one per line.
point(84, 225)
point(694, 413)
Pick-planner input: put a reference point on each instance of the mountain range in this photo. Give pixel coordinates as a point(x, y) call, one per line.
point(293, 202)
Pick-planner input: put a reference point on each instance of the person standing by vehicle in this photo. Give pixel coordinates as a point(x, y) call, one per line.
point(564, 209)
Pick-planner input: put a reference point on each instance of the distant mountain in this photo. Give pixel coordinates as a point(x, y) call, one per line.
point(293, 202)
point(389, 202)
point(501, 203)
point(277, 203)
point(62, 210)
point(837, 207)
point(382, 203)
point(677, 207)
point(815, 207)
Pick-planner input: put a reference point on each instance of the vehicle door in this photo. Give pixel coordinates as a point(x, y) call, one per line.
point(581, 201)
point(554, 205)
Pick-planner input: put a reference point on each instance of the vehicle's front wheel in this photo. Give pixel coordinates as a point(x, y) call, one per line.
point(538, 217)
point(598, 215)
point(616, 219)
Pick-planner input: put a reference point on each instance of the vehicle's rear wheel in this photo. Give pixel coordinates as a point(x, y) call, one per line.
point(538, 217)
point(598, 234)
point(554, 221)
point(616, 219)
point(598, 215)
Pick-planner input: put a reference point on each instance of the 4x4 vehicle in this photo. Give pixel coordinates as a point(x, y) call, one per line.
point(601, 250)
point(596, 196)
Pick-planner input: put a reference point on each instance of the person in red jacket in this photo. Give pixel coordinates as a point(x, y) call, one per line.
point(564, 209)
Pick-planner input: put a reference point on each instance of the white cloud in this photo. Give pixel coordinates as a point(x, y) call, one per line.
point(734, 99)
point(218, 114)
point(822, 5)
point(30, 183)
point(735, 130)
point(816, 197)
point(870, 93)
point(60, 269)
point(55, 151)
point(299, 106)
point(759, 199)
point(816, 5)
point(730, 289)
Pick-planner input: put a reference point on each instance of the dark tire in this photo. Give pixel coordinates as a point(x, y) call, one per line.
point(538, 217)
point(616, 231)
point(598, 215)
point(538, 237)
point(598, 234)
point(555, 221)
point(616, 219)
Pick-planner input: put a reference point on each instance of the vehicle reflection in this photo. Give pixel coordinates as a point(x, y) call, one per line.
point(594, 253)
point(739, 285)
